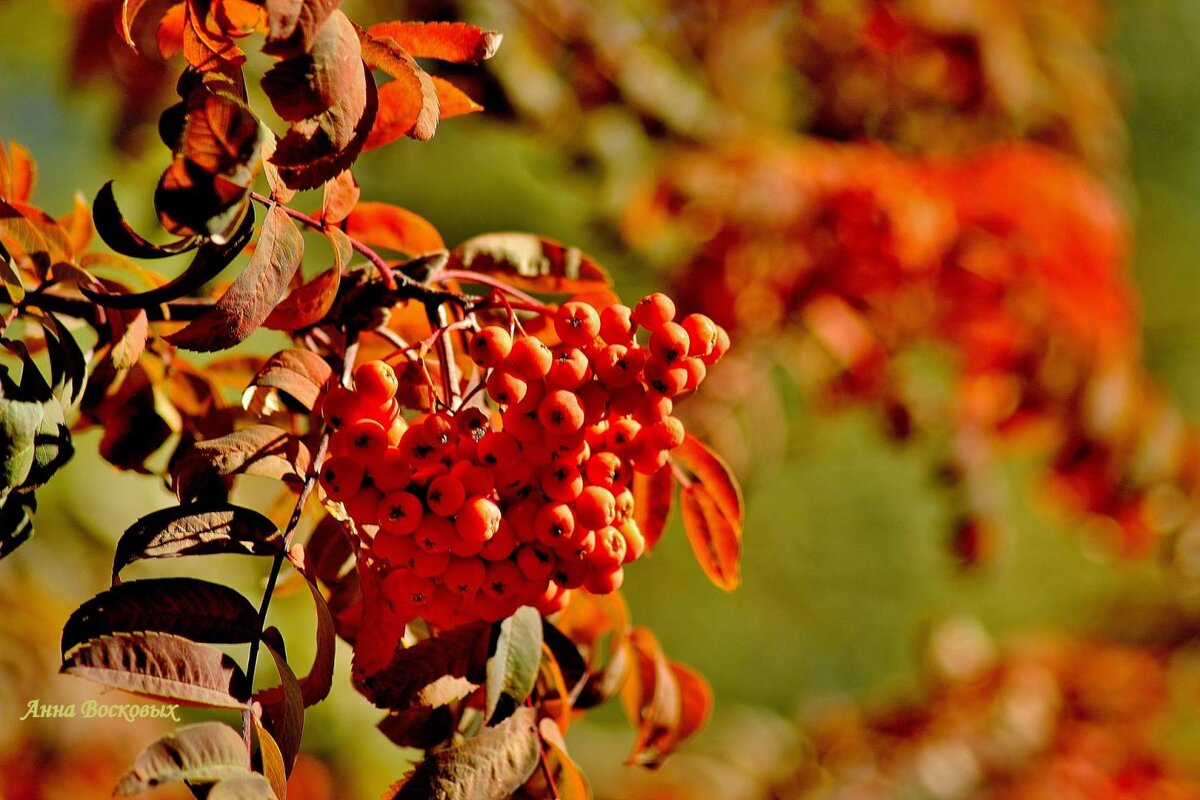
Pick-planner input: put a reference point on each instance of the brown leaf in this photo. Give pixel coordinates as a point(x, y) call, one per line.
point(201, 753)
point(161, 666)
point(713, 512)
point(308, 304)
point(258, 450)
point(254, 294)
point(331, 96)
point(569, 780)
point(491, 766)
point(390, 227)
point(199, 610)
point(422, 728)
point(530, 262)
point(293, 25)
point(433, 672)
point(340, 197)
point(408, 105)
point(197, 529)
point(299, 373)
point(130, 331)
point(272, 759)
point(284, 710)
point(445, 41)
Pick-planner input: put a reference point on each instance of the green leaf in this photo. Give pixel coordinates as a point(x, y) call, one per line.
point(490, 766)
point(201, 753)
point(199, 610)
point(197, 529)
point(513, 668)
point(255, 293)
point(162, 666)
point(19, 423)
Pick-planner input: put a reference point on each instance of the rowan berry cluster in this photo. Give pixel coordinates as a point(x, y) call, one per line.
point(469, 514)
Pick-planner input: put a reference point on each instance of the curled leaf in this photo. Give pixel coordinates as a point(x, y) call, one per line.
point(200, 753)
point(530, 262)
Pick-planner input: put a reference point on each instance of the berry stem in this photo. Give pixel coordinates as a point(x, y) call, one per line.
point(478, 277)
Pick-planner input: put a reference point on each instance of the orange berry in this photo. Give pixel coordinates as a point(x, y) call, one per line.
point(560, 412)
point(669, 343)
point(364, 440)
point(554, 524)
point(664, 377)
point(529, 359)
point(446, 495)
point(503, 580)
point(720, 347)
point(595, 507)
point(568, 370)
point(610, 550)
point(376, 381)
point(505, 388)
point(562, 483)
point(702, 334)
point(605, 582)
point(654, 310)
point(616, 325)
point(577, 323)
point(489, 347)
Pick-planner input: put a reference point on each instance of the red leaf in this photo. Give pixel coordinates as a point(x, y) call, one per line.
point(308, 304)
point(452, 101)
point(393, 228)
point(712, 512)
point(653, 496)
point(254, 294)
point(432, 672)
point(446, 41)
point(161, 666)
point(408, 105)
point(293, 25)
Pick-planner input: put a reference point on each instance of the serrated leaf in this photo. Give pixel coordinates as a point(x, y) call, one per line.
point(252, 297)
point(310, 303)
point(713, 512)
point(513, 667)
point(530, 262)
point(188, 607)
point(272, 759)
point(162, 666)
point(257, 450)
point(116, 233)
point(284, 711)
point(315, 686)
point(433, 672)
point(299, 373)
point(210, 260)
point(456, 42)
point(490, 766)
point(200, 753)
point(197, 529)
point(243, 787)
point(393, 228)
point(408, 105)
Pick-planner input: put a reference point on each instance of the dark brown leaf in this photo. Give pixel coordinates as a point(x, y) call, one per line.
point(255, 293)
point(432, 672)
point(314, 686)
point(189, 607)
point(117, 234)
point(197, 529)
point(162, 666)
point(285, 711)
point(298, 373)
point(422, 728)
point(258, 450)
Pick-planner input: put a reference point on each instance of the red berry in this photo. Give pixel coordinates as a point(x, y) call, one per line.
point(429, 565)
point(648, 459)
point(554, 524)
point(593, 396)
point(465, 575)
point(616, 327)
point(606, 469)
point(560, 412)
point(529, 358)
point(489, 347)
point(696, 372)
point(341, 477)
point(621, 435)
point(618, 365)
point(399, 551)
point(466, 548)
point(363, 507)
point(446, 495)
point(501, 545)
point(440, 429)
point(577, 323)
point(498, 449)
point(595, 507)
point(653, 310)
point(669, 343)
point(475, 479)
point(400, 513)
point(521, 516)
point(365, 440)
point(503, 580)
point(553, 600)
point(610, 550)
point(435, 535)
point(562, 483)
point(653, 407)
point(578, 547)
point(702, 334)
point(720, 347)
point(569, 369)
point(665, 378)
point(625, 504)
point(635, 542)
point(535, 563)
point(570, 574)
point(666, 434)
point(376, 381)
point(605, 582)
point(472, 423)
point(505, 388)
point(340, 406)
point(478, 519)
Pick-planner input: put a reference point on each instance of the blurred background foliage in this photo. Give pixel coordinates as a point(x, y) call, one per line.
point(847, 568)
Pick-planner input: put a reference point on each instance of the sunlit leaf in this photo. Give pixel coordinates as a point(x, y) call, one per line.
point(512, 669)
point(445, 41)
point(200, 753)
point(197, 529)
point(391, 227)
point(432, 672)
point(530, 262)
point(713, 512)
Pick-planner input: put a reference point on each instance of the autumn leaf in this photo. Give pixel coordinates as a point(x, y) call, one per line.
point(713, 512)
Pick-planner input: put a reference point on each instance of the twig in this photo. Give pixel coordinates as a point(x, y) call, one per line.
point(487, 280)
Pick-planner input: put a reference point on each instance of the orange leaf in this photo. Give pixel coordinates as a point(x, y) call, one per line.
point(530, 262)
point(652, 700)
point(408, 106)
point(394, 228)
point(170, 31)
point(19, 173)
point(445, 41)
point(341, 195)
point(78, 224)
point(309, 304)
point(653, 496)
point(452, 101)
point(696, 701)
point(712, 513)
